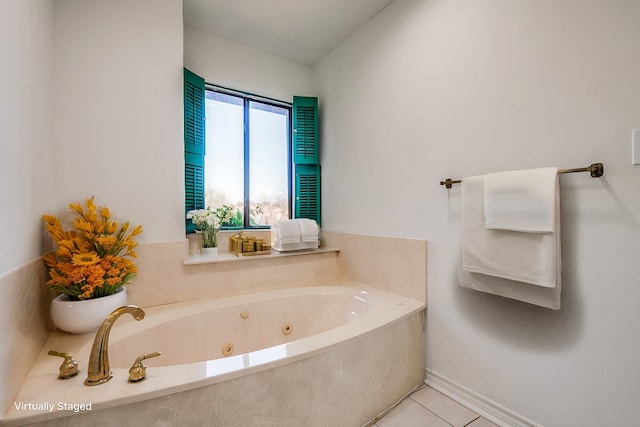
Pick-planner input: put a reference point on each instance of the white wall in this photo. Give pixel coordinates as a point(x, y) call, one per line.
point(231, 65)
point(26, 170)
point(118, 110)
point(91, 104)
point(451, 88)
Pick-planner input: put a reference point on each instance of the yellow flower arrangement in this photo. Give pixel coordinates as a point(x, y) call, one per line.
point(93, 260)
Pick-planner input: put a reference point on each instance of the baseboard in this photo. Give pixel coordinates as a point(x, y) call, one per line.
point(486, 408)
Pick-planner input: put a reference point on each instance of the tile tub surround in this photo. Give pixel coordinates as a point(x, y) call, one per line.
point(164, 279)
point(397, 265)
point(394, 264)
point(24, 325)
point(350, 374)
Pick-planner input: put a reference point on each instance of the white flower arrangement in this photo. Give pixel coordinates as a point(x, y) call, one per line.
point(208, 222)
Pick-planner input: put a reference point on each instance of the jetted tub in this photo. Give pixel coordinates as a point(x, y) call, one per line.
point(324, 355)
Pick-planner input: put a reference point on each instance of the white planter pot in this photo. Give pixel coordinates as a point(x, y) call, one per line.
point(81, 317)
point(209, 253)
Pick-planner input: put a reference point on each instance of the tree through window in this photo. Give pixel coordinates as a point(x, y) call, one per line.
point(247, 164)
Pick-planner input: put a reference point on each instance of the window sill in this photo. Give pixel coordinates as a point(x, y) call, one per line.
point(228, 257)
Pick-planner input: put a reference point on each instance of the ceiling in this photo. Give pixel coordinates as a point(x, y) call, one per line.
point(302, 31)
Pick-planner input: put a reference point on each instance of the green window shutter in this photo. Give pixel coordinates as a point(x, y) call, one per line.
point(194, 143)
point(305, 130)
point(306, 159)
point(307, 195)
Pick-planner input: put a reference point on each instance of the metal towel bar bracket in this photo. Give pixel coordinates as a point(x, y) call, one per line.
point(596, 170)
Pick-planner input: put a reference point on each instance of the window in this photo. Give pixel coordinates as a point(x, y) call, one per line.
point(257, 156)
point(248, 161)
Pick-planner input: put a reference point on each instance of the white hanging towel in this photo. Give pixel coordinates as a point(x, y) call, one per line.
point(524, 257)
point(525, 292)
point(521, 200)
point(517, 265)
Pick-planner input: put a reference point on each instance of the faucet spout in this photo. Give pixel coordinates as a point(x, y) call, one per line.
point(99, 371)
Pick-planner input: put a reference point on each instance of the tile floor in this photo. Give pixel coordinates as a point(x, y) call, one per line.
point(430, 408)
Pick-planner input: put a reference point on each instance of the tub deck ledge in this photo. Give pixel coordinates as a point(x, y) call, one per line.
point(43, 397)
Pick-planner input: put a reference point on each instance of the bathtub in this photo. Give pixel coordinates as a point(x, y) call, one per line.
point(322, 355)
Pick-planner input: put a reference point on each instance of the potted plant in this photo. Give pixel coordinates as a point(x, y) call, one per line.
point(208, 222)
point(90, 266)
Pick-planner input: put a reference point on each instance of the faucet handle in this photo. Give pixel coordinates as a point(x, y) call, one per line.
point(138, 371)
point(69, 367)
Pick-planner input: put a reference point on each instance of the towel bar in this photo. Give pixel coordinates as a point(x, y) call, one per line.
point(596, 170)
